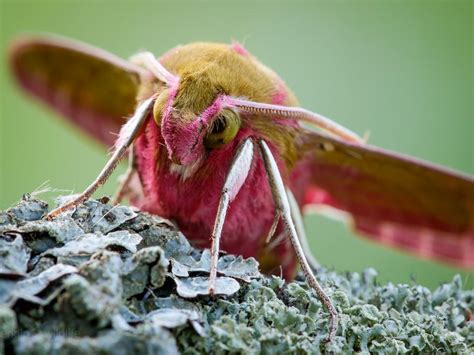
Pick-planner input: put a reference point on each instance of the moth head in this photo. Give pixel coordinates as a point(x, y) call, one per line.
point(190, 132)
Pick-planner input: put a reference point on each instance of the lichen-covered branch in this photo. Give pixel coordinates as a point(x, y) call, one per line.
point(114, 280)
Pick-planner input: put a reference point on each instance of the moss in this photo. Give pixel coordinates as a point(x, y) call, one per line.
point(131, 283)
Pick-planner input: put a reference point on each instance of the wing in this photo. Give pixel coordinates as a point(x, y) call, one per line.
point(396, 200)
point(92, 88)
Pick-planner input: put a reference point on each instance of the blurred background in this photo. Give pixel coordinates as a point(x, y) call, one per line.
point(399, 69)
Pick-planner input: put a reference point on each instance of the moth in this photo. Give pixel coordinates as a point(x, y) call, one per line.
point(218, 143)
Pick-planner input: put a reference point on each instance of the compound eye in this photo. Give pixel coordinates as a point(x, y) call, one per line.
point(223, 129)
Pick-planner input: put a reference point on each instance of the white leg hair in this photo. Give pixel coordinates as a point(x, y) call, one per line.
point(283, 207)
point(236, 177)
point(298, 219)
point(127, 135)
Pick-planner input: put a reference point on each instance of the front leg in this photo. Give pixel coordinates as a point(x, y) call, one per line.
point(284, 210)
point(127, 135)
point(299, 226)
point(236, 177)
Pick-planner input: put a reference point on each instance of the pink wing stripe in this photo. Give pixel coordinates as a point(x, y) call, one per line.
point(455, 249)
point(428, 211)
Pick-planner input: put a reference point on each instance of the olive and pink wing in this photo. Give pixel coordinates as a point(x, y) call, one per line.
point(390, 198)
point(92, 88)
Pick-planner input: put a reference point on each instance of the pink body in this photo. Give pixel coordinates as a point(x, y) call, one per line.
point(192, 203)
point(189, 193)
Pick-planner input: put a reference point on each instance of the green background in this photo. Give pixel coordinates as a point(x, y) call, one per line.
point(402, 70)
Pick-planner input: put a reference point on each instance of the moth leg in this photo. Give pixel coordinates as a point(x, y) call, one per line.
point(273, 227)
point(298, 220)
point(126, 178)
point(236, 177)
point(127, 135)
point(283, 206)
point(300, 231)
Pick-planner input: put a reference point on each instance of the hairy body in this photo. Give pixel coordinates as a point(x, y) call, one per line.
point(189, 194)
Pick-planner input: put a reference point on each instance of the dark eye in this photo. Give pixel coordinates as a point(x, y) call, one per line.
point(223, 129)
point(219, 125)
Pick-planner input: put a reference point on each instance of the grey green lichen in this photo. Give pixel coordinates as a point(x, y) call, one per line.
point(114, 280)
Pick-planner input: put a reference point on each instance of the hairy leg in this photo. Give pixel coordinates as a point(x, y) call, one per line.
point(298, 220)
point(283, 208)
point(127, 135)
point(236, 176)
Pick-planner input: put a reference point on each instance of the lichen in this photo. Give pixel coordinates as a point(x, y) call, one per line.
point(115, 280)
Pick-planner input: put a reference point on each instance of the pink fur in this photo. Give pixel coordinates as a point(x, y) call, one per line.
point(279, 97)
point(173, 90)
point(222, 101)
point(180, 140)
point(184, 141)
point(239, 48)
point(193, 202)
point(147, 147)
